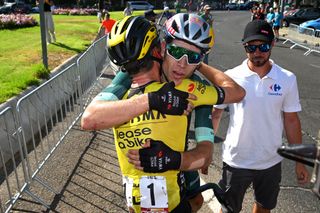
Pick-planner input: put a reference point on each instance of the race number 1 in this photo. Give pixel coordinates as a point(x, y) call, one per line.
point(154, 195)
point(128, 185)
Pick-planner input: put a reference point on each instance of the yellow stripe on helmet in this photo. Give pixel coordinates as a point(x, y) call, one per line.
point(151, 35)
point(211, 33)
point(116, 37)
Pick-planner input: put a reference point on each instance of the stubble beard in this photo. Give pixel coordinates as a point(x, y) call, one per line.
point(259, 61)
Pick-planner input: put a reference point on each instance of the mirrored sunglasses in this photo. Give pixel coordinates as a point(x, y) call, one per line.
point(193, 58)
point(262, 48)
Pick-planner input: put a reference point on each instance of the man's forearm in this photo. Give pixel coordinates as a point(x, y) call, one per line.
point(292, 128)
point(216, 117)
point(233, 91)
point(197, 158)
point(106, 114)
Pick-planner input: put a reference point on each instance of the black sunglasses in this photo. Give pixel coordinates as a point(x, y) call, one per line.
point(262, 47)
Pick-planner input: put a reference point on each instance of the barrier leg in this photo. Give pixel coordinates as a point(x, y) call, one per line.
point(37, 199)
point(46, 185)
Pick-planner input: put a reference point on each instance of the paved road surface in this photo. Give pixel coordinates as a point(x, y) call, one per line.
point(85, 172)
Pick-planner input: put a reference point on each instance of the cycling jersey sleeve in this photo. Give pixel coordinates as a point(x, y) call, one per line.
point(203, 122)
point(206, 95)
point(116, 89)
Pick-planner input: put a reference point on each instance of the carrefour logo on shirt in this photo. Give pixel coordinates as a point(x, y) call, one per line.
point(275, 90)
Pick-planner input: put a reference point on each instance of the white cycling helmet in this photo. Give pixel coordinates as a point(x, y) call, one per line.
point(166, 9)
point(192, 29)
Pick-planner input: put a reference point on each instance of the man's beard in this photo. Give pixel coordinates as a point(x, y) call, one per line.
point(259, 61)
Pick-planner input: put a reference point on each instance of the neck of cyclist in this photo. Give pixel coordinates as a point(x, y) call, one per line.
point(146, 76)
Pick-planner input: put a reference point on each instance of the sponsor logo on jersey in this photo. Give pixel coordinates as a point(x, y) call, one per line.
point(149, 116)
point(132, 138)
point(191, 87)
point(275, 90)
point(129, 138)
point(201, 88)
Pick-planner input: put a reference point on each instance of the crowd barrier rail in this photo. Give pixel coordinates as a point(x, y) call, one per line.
point(32, 131)
point(305, 38)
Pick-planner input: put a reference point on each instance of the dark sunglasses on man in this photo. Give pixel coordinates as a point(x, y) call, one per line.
point(176, 52)
point(262, 48)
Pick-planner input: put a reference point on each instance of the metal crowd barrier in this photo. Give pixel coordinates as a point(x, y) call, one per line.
point(305, 38)
point(31, 132)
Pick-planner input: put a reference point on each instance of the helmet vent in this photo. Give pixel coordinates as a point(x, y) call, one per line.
point(197, 35)
point(186, 30)
point(124, 27)
point(207, 40)
point(175, 26)
point(185, 17)
point(145, 41)
point(205, 26)
point(116, 27)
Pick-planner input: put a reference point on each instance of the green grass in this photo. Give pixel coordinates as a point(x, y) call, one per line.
point(20, 50)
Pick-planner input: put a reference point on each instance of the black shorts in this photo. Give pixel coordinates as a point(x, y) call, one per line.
point(184, 206)
point(276, 27)
point(266, 185)
point(192, 181)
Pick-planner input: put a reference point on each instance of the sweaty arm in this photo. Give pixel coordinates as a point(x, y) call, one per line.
point(292, 128)
point(233, 92)
point(106, 114)
point(216, 117)
point(108, 110)
point(199, 158)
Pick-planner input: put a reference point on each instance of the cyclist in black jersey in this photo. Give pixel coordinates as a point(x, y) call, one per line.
point(123, 111)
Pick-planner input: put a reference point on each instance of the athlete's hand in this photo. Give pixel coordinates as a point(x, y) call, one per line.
point(302, 173)
point(171, 101)
point(155, 156)
point(204, 170)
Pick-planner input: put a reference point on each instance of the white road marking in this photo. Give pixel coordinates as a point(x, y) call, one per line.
point(316, 66)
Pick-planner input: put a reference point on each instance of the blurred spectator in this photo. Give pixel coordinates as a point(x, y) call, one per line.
point(165, 4)
point(150, 15)
point(107, 23)
point(192, 7)
point(277, 22)
point(99, 16)
point(201, 6)
point(253, 11)
point(270, 17)
point(49, 25)
point(257, 13)
point(167, 13)
point(127, 11)
point(177, 6)
point(206, 14)
point(209, 19)
point(262, 9)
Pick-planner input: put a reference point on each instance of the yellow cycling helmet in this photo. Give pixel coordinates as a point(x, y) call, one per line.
point(131, 40)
